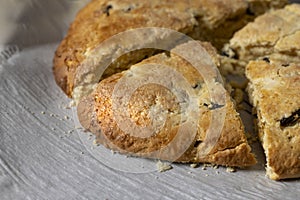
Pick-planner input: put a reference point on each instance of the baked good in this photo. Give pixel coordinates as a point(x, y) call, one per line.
point(214, 20)
point(169, 107)
point(274, 91)
point(274, 36)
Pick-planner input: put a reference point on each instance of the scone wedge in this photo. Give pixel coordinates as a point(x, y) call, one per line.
point(170, 113)
point(214, 21)
point(275, 92)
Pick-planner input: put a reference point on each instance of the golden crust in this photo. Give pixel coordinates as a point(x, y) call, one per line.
point(274, 90)
point(101, 19)
point(96, 113)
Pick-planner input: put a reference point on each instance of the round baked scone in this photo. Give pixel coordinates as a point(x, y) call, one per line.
point(274, 36)
point(214, 20)
point(275, 92)
point(167, 109)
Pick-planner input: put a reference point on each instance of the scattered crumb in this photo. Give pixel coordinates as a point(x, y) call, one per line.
point(72, 103)
point(70, 131)
point(66, 107)
point(43, 112)
point(95, 143)
point(206, 175)
point(156, 177)
point(230, 169)
point(251, 138)
point(238, 96)
point(217, 172)
point(189, 172)
point(51, 115)
point(239, 85)
point(206, 165)
point(162, 167)
point(215, 166)
point(112, 152)
point(82, 152)
point(194, 165)
point(53, 129)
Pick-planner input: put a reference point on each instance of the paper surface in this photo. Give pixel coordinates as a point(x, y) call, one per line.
point(43, 154)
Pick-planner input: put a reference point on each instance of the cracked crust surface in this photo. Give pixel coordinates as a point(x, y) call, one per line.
point(214, 20)
point(274, 90)
point(96, 114)
point(274, 35)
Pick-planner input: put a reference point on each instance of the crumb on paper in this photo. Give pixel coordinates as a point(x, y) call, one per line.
point(162, 167)
point(72, 103)
point(230, 169)
point(194, 165)
point(81, 152)
point(215, 166)
point(204, 167)
point(66, 107)
point(95, 143)
point(43, 112)
point(66, 117)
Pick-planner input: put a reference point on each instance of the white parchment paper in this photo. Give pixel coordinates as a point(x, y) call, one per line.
point(41, 153)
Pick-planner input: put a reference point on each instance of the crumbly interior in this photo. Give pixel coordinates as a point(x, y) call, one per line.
point(274, 36)
point(274, 91)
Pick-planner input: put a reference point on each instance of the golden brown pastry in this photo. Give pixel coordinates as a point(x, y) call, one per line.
point(214, 20)
point(275, 93)
point(167, 109)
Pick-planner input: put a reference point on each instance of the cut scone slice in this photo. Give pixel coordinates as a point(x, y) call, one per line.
point(275, 92)
point(274, 35)
point(214, 20)
point(167, 109)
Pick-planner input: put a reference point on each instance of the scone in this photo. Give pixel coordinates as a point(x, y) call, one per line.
point(166, 108)
point(214, 20)
point(274, 35)
point(275, 93)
